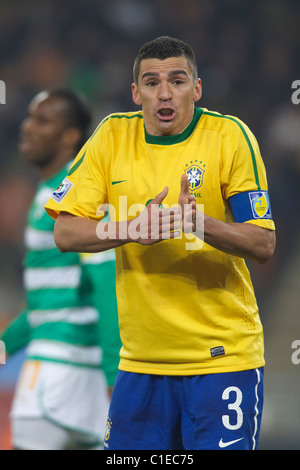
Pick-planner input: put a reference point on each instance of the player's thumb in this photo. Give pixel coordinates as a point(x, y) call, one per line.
point(184, 184)
point(161, 196)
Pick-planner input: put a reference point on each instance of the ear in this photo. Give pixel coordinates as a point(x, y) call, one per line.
point(135, 94)
point(197, 90)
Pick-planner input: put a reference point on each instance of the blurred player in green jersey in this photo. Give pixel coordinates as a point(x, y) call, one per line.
point(69, 325)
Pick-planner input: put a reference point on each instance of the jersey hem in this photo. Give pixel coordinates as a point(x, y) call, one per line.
point(189, 371)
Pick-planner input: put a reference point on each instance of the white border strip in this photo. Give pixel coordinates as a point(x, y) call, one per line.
point(75, 316)
point(256, 408)
point(67, 352)
point(39, 239)
point(98, 258)
point(42, 278)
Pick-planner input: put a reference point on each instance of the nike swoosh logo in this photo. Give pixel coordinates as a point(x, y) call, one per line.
point(229, 443)
point(117, 182)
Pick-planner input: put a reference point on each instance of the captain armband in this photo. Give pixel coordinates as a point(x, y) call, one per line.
point(250, 205)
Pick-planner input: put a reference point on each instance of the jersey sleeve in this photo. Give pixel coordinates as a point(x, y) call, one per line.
point(84, 189)
point(17, 334)
point(244, 179)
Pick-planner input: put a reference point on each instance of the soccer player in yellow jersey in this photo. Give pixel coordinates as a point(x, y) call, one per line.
point(188, 200)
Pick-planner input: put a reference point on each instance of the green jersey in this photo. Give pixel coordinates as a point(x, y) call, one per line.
point(65, 292)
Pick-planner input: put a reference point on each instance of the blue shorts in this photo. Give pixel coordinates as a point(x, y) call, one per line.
point(215, 411)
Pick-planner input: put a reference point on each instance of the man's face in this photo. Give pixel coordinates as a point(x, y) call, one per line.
point(43, 129)
point(167, 92)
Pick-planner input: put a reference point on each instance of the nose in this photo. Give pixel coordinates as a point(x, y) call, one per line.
point(165, 91)
point(26, 125)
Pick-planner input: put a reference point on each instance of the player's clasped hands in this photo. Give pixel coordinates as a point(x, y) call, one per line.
point(156, 223)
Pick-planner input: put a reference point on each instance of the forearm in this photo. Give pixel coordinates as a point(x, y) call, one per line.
point(78, 234)
point(152, 225)
point(240, 239)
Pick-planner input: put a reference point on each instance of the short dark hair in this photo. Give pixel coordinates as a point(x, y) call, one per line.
point(78, 113)
point(162, 48)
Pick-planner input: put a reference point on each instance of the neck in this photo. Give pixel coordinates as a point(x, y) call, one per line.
point(53, 167)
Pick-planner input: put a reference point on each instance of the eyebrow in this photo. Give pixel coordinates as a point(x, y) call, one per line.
point(156, 74)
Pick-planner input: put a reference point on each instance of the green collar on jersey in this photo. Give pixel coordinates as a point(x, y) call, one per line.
point(175, 139)
point(55, 180)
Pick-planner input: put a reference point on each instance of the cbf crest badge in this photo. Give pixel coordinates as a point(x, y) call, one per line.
point(195, 174)
point(107, 431)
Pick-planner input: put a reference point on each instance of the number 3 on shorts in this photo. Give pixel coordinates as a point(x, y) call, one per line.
point(233, 406)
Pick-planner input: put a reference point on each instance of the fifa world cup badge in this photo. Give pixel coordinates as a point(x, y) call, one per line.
point(62, 190)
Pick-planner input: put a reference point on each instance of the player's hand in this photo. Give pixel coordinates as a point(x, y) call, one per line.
point(187, 203)
point(155, 223)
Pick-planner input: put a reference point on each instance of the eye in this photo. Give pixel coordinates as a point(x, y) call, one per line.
point(42, 120)
point(177, 82)
point(151, 83)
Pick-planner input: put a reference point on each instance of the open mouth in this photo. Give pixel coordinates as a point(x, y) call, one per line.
point(25, 144)
point(166, 114)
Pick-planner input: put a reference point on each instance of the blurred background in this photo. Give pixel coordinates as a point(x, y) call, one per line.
point(248, 55)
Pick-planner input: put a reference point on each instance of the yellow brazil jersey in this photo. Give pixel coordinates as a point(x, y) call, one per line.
point(181, 311)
